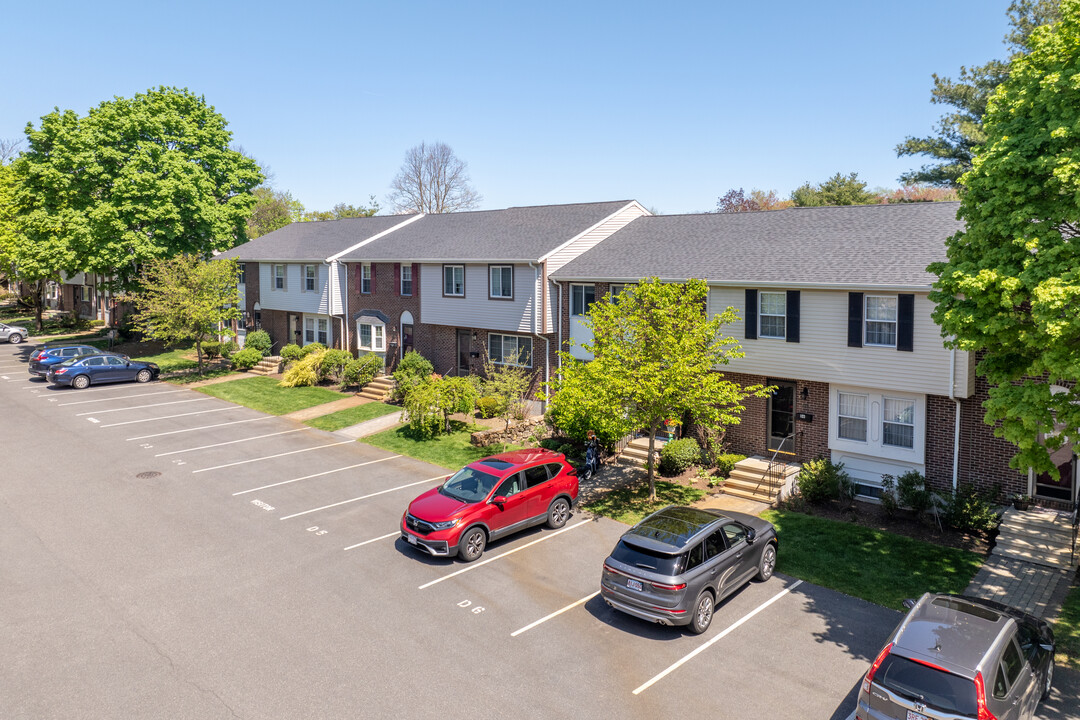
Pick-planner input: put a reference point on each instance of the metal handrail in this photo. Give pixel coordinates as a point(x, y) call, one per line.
point(773, 463)
point(1075, 531)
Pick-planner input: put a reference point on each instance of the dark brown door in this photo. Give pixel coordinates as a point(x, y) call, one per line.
point(781, 416)
point(1062, 488)
point(464, 345)
point(406, 339)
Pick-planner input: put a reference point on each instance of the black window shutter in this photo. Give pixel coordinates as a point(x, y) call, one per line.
point(792, 330)
point(854, 319)
point(905, 322)
point(751, 315)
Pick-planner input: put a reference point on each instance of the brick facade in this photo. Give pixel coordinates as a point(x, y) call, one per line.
point(386, 297)
point(750, 436)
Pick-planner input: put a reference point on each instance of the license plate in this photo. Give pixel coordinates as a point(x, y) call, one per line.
point(912, 715)
point(410, 538)
point(633, 584)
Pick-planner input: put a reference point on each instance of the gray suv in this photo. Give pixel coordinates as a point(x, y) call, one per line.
point(960, 657)
point(12, 333)
point(677, 564)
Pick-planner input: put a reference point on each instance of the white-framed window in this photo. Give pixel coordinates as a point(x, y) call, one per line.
point(581, 299)
point(772, 315)
point(52, 291)
point(365, 278)
point(311, 276)
point(371, 336)
point(852, 416)
point(501, 285)
point(242, 277)
point(279, 277)
point(454, 280)
point(881, 320)
point(617, 289)
point(86, 293)
point(406, 279)
point(309, 330)
point(323, 330)
point(510, 350)
point(898, 422)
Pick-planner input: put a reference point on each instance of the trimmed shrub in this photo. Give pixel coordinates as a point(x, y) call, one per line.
point(551, 443)
point(491, 406)
point(332, 365)
point(258, 340)
point(362, 370)
point(227, 349)
point(411, 371)
point(969, 510)
point(246, 359)
point(97, 323)
point(291, 353)
point(677, 455)
point(820, 480)
point(912, 492)
point(211, 348)
point(889, 503)
point(314, 347)
point(304, 372)
point(726, 463)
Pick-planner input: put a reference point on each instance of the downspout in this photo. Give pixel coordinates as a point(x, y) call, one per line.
point(956, 429)
point(558, 322)
point(547, 356)
point(330, 268)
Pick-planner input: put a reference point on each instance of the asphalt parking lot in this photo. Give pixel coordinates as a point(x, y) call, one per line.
point(169, 554)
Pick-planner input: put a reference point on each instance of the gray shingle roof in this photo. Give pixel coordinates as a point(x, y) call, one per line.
point(313, 240)
point(517, 233)
point(853, 245)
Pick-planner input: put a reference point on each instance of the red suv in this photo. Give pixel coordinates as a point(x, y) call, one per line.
point(489, 499)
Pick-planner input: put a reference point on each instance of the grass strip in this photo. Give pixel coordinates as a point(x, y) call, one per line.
point(352, 416)
point(451, 451)
point(1067, 631)
point(870, 564)
point(631, 504)
point(265, 395)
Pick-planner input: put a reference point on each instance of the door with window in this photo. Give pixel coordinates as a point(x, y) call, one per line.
point(406, 338)
point(780, 416)
point(1061, 487)
point(464, 346)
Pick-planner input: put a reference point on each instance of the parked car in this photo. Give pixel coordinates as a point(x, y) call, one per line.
point(958, 656)
point(86, 370)
point(489, 499)
point(44, 358)
point(12, 333)
point(676, 565)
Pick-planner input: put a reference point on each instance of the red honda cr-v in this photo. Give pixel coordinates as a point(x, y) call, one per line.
point(489, 499)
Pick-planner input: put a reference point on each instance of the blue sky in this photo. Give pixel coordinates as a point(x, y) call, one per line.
point(670, 104)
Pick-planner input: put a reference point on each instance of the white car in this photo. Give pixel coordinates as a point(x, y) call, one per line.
point(12, 333)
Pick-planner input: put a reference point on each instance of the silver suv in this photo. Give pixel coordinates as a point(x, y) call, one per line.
point(960, 657)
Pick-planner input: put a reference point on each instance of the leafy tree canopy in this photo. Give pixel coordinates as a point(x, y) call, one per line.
point(737, 201)
point(1011, 285)
point(837, 190)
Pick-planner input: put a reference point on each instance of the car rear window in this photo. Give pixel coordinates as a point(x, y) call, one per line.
point(645, 559)
point(937, 689)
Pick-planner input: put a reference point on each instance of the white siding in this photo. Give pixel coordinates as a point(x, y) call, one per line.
point(293, 298)
point(593, 236)
point(476, 309)
point(823, 355)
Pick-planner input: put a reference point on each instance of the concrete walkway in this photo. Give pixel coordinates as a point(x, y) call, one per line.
point(370, 427)
point(1036, 589)
point(327, 408)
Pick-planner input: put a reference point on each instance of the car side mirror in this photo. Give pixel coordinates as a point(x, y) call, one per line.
point(751, 535)
point(910, 603)
point(1046, 648)
point(498, 500)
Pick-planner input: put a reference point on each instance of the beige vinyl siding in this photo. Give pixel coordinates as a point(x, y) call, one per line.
point(293, 298)
point(594, 236)
point(476, 309)
point(823, 354)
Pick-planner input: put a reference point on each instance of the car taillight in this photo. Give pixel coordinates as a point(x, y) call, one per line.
point(662, 586)
point(873, 668)
point(980, 699)
point(61, 371)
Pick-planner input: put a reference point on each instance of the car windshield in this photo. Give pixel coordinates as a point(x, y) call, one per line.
point(660, 563)
point(469, 485)
point(936, 689)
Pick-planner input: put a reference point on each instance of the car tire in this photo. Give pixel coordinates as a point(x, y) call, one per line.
point(1049, 680)
point(703, 613)
point(14, 338)
point(80, 382)
point(558, 513)
point(767, 564)
point(472, 544)
point(143, 376)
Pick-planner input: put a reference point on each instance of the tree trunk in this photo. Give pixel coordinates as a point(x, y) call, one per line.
point(652, 463)
point(198, 355)
point(39, 305)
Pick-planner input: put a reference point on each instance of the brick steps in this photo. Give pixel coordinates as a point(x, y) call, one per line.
point(751, 479)
point(378, 389)
point(267, 366)
point(637, 452)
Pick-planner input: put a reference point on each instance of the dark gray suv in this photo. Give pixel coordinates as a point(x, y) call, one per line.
point(960, 657)
point(674, 566)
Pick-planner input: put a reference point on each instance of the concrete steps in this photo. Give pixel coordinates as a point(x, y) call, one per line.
point(752, 480)
point(1038, 535)
point(267, 366)
point(637, 452)
point(378, 389)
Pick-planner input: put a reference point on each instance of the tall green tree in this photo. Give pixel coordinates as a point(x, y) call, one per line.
point(657, 356)
point(837, 190)
point(135, 179)
point(1010, 288)
point(273, 209)
point(958, 132)
point(185, 298)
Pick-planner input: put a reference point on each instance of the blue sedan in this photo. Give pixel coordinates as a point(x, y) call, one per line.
point(81, 372)
point(41, 360)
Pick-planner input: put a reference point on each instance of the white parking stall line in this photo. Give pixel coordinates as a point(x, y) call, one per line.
point(140, 407)
point(201, 427)
point(381, 537)
point(271, 457)
point(362, 497)
point(122, 397)
point(25, 379)
point(557, 613)
point(170, 417)
point(99, 389)
point(308, 477)
point(720, 636)
point(502, 555)
point(232, 442)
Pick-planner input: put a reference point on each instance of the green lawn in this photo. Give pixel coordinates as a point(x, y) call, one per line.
point(264, 394)
point(55, 329)
point(171, 360)
point(629, 505)
point(877, 566)
point(191, 377)
point(1067, 631)
point(450, 451)
point(352, 416)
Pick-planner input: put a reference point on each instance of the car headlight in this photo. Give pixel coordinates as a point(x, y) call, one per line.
point(445, 525)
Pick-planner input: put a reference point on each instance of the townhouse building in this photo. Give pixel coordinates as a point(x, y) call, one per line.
point(834, 312)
